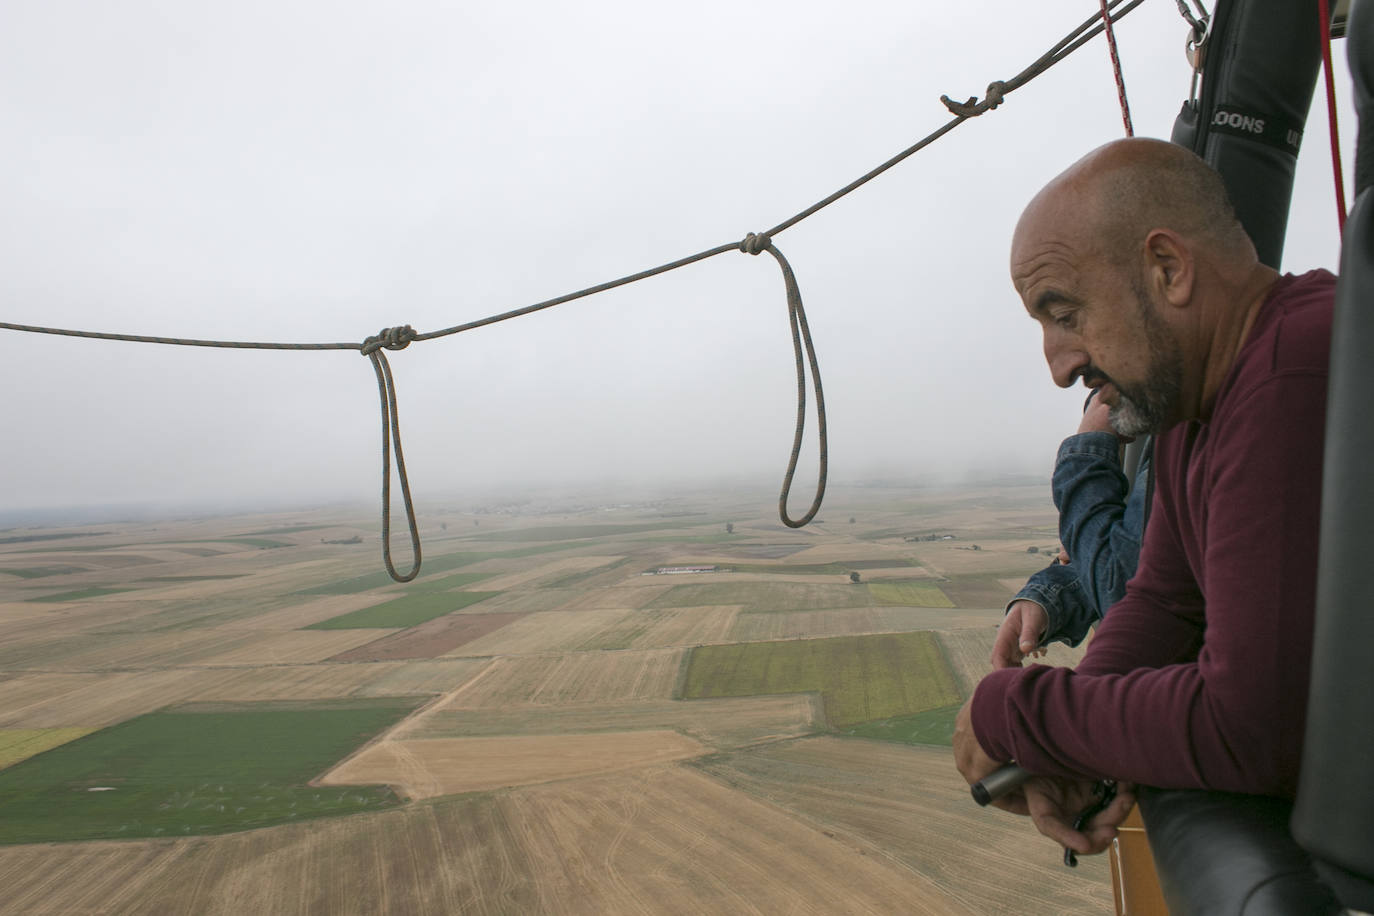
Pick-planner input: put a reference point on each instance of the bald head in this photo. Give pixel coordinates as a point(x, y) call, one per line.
point(1140, 275)
point(1108, 202)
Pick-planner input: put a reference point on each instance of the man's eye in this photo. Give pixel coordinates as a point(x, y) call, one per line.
point(1066, 319)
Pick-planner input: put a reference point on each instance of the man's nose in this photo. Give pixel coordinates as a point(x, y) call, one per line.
point(1066, 361)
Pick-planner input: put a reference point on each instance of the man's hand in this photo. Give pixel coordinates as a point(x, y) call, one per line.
point(1055, 803)
point(1096, 418)
point(974, 763)
point(1020, 634)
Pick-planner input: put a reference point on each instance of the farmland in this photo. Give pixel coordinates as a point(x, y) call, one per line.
point(537, 723)
point(193, 770)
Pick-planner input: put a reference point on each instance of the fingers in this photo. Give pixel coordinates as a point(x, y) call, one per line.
point(1054, 805)
point(1013, 802)
point(1006, 651)
point(1096, 418)
point(1034, 622)
point(1051, 818)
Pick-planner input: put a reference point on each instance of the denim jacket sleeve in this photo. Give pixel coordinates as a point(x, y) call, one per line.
point(1100, 528)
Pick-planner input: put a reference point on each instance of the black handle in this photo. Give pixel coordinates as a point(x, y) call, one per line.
point(998, 783)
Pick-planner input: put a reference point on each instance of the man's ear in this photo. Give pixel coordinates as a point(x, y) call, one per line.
point(1169, 267)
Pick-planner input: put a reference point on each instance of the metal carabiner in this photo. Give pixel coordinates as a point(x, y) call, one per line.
point(1195, 50)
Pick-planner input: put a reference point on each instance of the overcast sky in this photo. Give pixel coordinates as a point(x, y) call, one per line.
point(307, 171)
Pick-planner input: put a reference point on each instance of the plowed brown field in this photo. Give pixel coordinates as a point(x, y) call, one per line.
point(910, 802)
point(588, 677)
point(426, 767)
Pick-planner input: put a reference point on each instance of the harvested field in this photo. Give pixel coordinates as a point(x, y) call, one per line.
point(429, 639)
point(750, 551)
point(624, 596)
point(417, 678)
point(720, 724)
point(900, 554)
point(654, 628)
point(305, 611)
point(82, 594)
point(667, 840)
point(95, 700)
point(853, 622)
point(528, 602)
point(295, 682)
point(588, 677)
point(979, 591)
point(291, 648)
point(969, 652)
point(426, 768)
point(554, 631)
point(132, 650)
point(912, 804)
point(860, 677)
point(660, 840)
point(553, 569)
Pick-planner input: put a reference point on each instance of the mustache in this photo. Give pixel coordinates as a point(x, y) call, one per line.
point(1094, 377)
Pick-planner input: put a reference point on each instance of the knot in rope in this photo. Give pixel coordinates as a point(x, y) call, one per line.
point(756, 243)
point(391, 338)
point(374, 349)
point(972, 108)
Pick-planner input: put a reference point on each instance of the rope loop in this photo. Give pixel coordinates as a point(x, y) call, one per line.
point(801, 336)
point(397, 338)
point(391, 433)
point(755, 243)
point(996, 92)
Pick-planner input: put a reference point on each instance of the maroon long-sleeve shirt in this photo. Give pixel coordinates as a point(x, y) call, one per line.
point(1198, 677)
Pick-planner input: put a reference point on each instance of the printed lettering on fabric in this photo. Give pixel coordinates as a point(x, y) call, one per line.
point(1268, 129)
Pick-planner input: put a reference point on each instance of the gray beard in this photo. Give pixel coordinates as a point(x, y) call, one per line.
point(1146, 408)
point(1130, 419)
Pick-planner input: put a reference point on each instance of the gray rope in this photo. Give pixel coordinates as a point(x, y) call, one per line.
point(801, 331)
point(399, 338)
point(374, 348)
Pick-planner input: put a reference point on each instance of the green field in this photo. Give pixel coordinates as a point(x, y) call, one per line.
point(406, 611)
point(35, 538)
point(934, 726)
point(193, 578)
point(447, 582)
point(838, 568)
point(195, 770)
point(575, 532)
point(861, 678)
point(429, 567)
point(908, 594)
point(38, 572)
point(264, 543)
point(767, 597)
point(80, 594)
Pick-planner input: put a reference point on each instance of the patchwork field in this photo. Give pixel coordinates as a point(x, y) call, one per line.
point(861, 678)
point(538, 723)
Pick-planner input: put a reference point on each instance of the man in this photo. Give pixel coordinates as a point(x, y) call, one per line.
point(1146, 287)
point(1100, 524)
